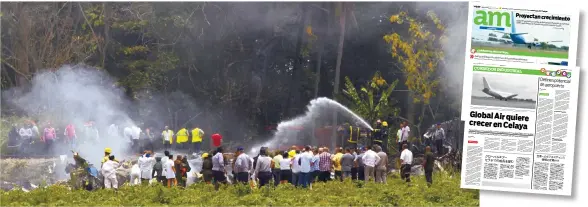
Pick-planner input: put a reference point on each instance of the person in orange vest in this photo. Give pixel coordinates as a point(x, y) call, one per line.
point(197, 135)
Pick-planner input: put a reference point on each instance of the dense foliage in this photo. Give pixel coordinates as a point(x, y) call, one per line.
point(240, 67)
point(444, 192)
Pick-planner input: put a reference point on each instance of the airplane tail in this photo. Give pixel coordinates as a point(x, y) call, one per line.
point(486, 85)
point(513, 29)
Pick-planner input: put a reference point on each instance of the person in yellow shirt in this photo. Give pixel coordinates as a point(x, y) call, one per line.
point(107, 152)
point(167, 135)
point(182, 138)
point(292, 152)
point(337, 164)
point(197, 135)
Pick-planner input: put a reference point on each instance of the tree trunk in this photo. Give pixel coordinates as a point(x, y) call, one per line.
point(338, 65)
point(107, 11)
point(296, 73)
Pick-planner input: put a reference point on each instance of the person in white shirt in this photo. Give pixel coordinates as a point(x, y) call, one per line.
point(135, 134)
point(405, 133)
point(146, 163)
point(399, 139)
point(406, 161)
point(135, 174)
point(439, 137)
point(263, 170)
point(243, 166)
point(285, 169)
point(128, 133)
point(370, 159)
point(170, 171)
point(109, 172)
point(113, 131)
point(295, 169)
point(305, 162)
point(167, 135)
point(26, 134)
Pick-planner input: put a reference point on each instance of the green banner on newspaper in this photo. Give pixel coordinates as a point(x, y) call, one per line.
point(541, 71)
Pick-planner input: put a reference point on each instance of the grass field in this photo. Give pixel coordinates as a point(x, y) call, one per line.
point(444, 192)
point(521, 51)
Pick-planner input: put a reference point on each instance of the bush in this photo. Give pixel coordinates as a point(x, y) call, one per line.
point(444, 192)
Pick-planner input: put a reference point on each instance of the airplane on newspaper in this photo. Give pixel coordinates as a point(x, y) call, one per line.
point(523, 38)
point(496, 94)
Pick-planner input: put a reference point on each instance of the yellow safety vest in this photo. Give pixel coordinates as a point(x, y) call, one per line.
point(196, 136)
point(171, 133)
point(351, 137)
point(182, 136)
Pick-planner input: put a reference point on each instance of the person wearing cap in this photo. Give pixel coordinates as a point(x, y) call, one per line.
point(107, 152)
point(384, 135)
point(439, 137)
point(206, 168)
point(243, 166)
point(376, 133)
point(108, 170)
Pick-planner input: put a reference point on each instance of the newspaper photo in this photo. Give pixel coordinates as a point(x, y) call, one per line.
point(520, 131)
point(522, 34)
point(502, 33)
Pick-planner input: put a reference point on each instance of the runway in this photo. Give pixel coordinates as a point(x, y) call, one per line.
point(499, 103)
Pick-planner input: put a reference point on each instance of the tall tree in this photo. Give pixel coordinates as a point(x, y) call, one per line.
point(419, 54)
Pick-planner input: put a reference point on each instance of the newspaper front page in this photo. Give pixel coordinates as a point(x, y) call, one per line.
point(520, 131)
point(501, 33)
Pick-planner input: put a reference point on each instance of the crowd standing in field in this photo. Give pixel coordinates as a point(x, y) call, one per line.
point(298, 166)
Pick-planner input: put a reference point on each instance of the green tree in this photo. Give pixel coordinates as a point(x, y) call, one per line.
point(419, 52)
point(372, 101)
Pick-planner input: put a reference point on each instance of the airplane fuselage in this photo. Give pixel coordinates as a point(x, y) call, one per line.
point(523, 39)
point(496, 94)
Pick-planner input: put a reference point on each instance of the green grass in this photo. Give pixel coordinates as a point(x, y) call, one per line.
point(444, 192)
point(520, 51)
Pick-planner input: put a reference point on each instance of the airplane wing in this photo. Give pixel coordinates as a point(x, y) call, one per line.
point(551, 41)
point(511, 96)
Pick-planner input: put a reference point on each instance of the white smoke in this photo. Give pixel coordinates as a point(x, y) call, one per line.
point(76, 94)
point(300, 130)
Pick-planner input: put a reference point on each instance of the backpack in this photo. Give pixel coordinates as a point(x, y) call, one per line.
point(158, 167)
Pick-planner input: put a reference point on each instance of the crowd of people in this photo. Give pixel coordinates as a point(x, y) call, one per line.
point(300, 167)
point(28, 138)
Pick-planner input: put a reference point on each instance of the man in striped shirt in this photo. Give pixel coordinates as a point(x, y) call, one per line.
point(325, 164)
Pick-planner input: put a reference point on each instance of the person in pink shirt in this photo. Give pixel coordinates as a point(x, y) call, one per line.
point(48, 137)
point(70, 135)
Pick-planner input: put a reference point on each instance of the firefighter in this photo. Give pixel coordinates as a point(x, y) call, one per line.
point(384, 136)
point(352, 136)
point(377, 133)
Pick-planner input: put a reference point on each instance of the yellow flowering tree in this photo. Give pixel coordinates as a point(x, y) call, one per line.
point(418, 50)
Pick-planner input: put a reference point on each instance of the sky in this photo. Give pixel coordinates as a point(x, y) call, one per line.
point(524, 85)
point(538, 32)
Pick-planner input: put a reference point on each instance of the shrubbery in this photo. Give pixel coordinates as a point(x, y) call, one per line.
point(444, 192)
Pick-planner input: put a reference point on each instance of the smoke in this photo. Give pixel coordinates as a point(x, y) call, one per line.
point(454, 16)
point(76, 95)
point(300, 130)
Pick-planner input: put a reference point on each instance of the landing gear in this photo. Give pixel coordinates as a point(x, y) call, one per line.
point(529, 46)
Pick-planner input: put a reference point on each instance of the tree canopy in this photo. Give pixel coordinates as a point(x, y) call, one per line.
point(252, 63)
